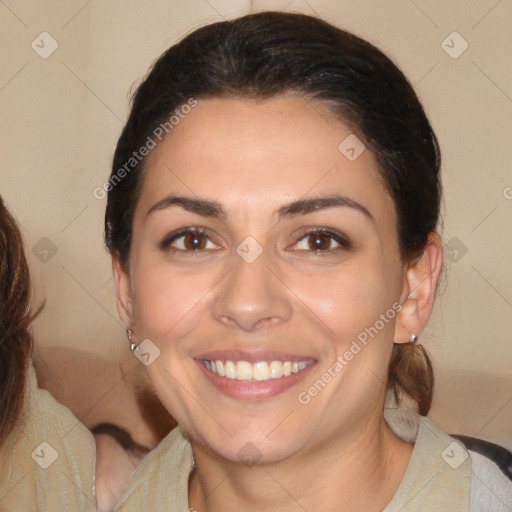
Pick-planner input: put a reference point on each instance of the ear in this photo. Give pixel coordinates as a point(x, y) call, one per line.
point(419, 290)
point(123, 292)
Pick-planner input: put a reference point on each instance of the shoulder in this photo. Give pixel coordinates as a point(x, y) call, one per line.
point(438, 474)
point(48, 420)
point(160, 482)
point(490, 488)
point(49, 454)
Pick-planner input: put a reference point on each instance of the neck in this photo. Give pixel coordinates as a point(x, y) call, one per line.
point(360, 471)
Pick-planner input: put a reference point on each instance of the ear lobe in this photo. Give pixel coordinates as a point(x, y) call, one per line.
point(123, 292)
point(420, 288)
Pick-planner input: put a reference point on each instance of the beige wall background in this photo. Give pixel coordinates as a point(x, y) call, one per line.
point(63, 108)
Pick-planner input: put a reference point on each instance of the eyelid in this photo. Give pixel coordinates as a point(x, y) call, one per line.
point(341, 239)
point(166, 243)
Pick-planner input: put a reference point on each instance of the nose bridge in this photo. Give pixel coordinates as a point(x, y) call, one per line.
point(250, 295)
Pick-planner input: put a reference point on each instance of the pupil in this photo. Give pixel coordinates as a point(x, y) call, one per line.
point(319, 242)
point(193, 241)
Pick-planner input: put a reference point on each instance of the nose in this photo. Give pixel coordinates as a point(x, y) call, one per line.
point(251, 296)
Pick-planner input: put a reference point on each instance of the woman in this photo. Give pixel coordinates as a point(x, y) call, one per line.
point(271, 216)
point(47, 457)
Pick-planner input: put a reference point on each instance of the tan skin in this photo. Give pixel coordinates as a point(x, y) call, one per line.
point(306, 294)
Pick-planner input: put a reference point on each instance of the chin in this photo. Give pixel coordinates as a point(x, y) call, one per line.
point(252, 446)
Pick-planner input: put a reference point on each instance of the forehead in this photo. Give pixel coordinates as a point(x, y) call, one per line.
point(262, 154)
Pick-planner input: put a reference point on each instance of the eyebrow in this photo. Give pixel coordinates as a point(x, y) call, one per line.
point(209, 208)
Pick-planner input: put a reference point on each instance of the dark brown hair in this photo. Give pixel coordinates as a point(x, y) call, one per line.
point(263, 55)
point(15, 318)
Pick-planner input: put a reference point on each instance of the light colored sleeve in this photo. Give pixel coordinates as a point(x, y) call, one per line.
point(491, 490)
point(47, 463)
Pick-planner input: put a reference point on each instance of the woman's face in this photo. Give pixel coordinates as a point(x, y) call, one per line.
point(235, 258)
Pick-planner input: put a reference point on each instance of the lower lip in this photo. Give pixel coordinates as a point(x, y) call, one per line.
point(253, 390)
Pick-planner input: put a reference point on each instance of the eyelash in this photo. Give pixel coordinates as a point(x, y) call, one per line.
point(344, 243)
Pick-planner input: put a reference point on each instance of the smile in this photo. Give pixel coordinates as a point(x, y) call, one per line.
point(255, 372)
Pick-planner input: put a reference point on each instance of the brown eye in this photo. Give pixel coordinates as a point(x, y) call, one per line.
point(194, 241)
point(319, 241)
point(322, 241)
point(190, 240)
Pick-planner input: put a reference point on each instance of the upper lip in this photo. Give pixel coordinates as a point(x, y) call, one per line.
point(251, 356)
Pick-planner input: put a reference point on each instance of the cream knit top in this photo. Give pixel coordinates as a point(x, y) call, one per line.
point(439, 476)
point(48, 464)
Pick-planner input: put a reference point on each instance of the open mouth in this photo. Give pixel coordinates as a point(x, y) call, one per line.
point(259, 371)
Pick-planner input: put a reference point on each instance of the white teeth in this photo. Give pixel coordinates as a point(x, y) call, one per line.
point(276, 369)
point(259, 371)
point(230, 370)
point(243, 370)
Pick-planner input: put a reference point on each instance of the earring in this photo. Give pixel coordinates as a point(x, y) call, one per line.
point(413, 338)
point(129, 333)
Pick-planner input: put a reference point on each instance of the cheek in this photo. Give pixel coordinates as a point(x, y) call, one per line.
point(166, 300)
point(349, 299)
